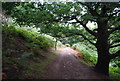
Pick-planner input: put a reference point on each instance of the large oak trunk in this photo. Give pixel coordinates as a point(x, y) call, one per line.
point(103, 56)
point(103, 62)
point(103, 48)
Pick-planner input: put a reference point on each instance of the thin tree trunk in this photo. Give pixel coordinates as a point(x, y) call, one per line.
point(56, 44)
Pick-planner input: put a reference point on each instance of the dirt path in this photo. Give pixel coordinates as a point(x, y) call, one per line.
point(66, 66)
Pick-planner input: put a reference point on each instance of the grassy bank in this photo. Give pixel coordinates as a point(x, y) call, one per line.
point(90, 58)
point(25, 53)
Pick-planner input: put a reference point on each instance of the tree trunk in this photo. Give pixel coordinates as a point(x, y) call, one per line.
point(103, 48)
point(56, 44)
point(103, 62)
point(103, 56)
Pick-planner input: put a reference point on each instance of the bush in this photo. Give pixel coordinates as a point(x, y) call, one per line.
point(90, 55)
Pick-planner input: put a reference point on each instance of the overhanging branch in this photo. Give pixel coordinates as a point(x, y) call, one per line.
point(92, 11)
point(114, 29)
point(111, 15)
point(85, 38)
point(115, 46)
point(86, 28)
point(115, 54)
point(117, 41)
point(80, 22)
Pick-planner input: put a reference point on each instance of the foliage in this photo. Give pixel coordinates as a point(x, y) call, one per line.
point(53, 18)
point(90, 58)
point(90, 55)
point(22, 48)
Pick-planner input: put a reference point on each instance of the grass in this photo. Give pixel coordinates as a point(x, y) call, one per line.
point(37, 70)
point(25, 53)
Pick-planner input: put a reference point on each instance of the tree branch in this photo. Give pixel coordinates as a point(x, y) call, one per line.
point(86, 28)
point(80, 22)
point(115, 12)
point(115, 46)
point(104, 9)
point(117, 41)
point(92, 20)
point(85, 38)
point(111, 15)
point(115, 21)
point(114, 29)
point(92, 11)
point(115, 54)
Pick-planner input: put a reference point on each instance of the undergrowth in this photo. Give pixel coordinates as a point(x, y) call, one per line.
point(90, 58)
point(24, 53)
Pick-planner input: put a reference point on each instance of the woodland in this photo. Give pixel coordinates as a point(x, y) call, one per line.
point(32, 32)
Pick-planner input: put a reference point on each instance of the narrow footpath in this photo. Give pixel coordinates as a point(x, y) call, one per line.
point(67, 66)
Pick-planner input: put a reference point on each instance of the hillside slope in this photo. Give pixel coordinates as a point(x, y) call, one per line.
point(25, 53)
